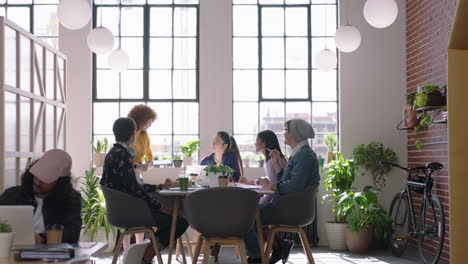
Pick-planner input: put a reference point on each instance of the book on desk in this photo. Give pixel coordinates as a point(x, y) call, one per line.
point(62, 251)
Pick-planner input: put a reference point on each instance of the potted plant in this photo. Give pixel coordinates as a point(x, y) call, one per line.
point(341, 173)
point(246, 158)
point(188, 150)
point(261, 160)
point(177, 161)
point(213, 172)
point(95, 225)
point(409, 114)
point(100, 150)
point(364, 213)
point(369, 156)
point(331, 143)
point(6, 239)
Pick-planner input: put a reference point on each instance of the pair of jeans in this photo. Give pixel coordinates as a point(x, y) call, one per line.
point(163, 223)
point(251, 238)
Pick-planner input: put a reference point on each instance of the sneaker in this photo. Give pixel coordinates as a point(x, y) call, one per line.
point(251, 260)
point(275, 257)
point(285, 249)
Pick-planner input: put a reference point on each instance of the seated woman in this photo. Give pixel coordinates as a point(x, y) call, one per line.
point(226, 152)
point(47, 186)
point(119, 174)
point(301, 171)
point(266, 142)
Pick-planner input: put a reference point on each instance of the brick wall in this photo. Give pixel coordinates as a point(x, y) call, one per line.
point(428, 24)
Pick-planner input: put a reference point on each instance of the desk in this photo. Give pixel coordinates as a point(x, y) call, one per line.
point(178, 195)
point(78, 252)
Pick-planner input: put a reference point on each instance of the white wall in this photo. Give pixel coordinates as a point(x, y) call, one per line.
point(79, 96)
point(371, 95)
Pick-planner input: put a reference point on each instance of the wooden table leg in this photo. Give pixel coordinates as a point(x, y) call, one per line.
point(260, 236)
point(173, 228)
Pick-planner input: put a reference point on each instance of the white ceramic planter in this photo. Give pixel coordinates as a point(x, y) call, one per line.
point(98, 159)
point(100, 236)
point(6, 240)
point(213, 179)
point(336, 235)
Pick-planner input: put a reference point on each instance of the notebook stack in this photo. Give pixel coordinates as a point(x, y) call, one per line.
point(46, 253)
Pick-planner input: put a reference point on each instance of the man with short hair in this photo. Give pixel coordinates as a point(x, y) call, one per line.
point(119, 174)
point(46, 185)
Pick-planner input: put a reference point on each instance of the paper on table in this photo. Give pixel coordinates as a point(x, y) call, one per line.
point(247, 186)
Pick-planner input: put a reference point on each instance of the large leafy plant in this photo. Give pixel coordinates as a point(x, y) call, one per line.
point(363, 210)
point(189, 148)
point(369, 157)
point(94, 206)
point(331, 142)
point(101, 146)
point(224, 170)
point(341, 174)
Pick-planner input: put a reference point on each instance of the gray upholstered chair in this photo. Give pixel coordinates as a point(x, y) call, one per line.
point(222, 215)
point(291, 212)
point(130, 214)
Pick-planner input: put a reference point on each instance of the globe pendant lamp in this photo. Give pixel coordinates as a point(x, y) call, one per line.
point(73, 14)
point(347, 38)
point(325, 60)
point(118, 60)
point(100, 40)
point(380, 13)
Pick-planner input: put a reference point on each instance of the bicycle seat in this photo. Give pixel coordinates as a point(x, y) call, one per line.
point(435, 166)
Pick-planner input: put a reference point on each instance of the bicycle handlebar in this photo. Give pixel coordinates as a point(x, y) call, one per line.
point(431, 167)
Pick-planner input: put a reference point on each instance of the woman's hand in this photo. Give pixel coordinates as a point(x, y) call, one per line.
point(167, 184)
point(244, 180)
point(274, 155)
point(145, 167)
point(267, 184)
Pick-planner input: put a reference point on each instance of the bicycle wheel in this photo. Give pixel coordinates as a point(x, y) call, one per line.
point(400, 215)
point(432, 223)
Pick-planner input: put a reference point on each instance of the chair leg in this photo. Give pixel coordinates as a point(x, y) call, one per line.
point(269, 248)
point(155, 245)
point(177, 251)
point(182, 250)
point(240, 246)
point(306, 246)
point(117, 248)
point(197, 250)
point(206, 250)
point(189, 245)
point(236, 251)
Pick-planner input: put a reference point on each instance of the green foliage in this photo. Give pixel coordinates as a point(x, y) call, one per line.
point(94, 206)
point(101, 146)
point(5, 227)
point(363, 210)
point(331, 142)
point(177, 157)
point(369, 157)
point(166, 158)
point(341, 173)
point(421, 97)
point(189, 148)
point(260, 158)
point(224, 170)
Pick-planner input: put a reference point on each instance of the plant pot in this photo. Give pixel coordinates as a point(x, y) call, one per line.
point(246, 163)
point(98, 159)
point(6, 240)
point(261, 163)
point(380, 243)
point(360, 242)
point(188, 161)
point(330, 156)
point(410, 117)
point(213, 179)
point(100, 236)
point(336, 235)
point(435, 98)
point(177, 163)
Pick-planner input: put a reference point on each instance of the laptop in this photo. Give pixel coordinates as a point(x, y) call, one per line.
point(20, 217)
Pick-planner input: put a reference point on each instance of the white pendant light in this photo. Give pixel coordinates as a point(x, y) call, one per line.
point(100, 40)
point(380, 13)
point(73, 14)
point(118, 60)
point(325, 60)
point(347, 38)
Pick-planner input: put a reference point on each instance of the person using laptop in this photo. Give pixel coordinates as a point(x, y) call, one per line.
point(47, 186)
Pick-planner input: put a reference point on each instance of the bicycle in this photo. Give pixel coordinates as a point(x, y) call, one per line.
point(430, 229)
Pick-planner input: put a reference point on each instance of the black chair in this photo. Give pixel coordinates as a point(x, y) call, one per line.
point(130, 214)
point(291, 212)
point(222, 215)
